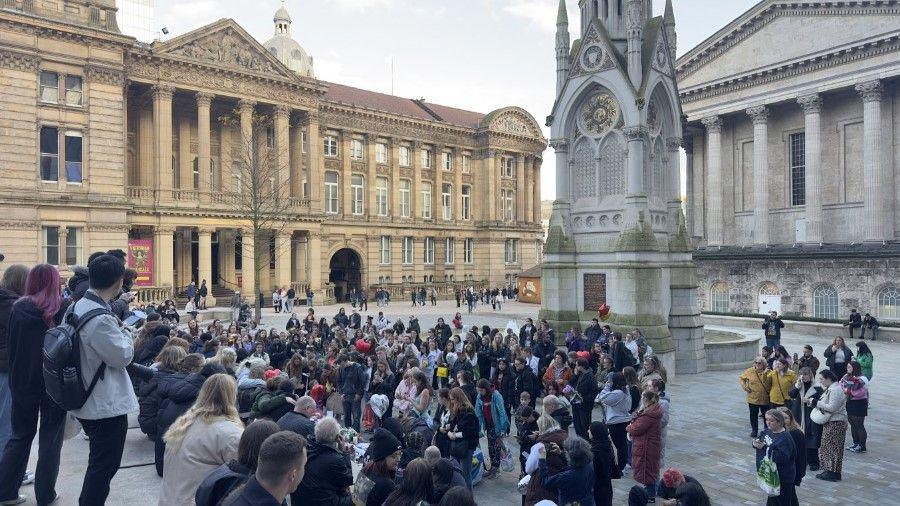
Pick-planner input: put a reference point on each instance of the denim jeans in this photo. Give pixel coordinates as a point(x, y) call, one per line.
point(5, 411)
point(352, 411)
point(465, 465)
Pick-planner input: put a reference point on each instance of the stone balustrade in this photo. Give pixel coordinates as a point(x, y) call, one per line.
point(148, 294)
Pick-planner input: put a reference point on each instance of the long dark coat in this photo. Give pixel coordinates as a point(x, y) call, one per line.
point(646, 431)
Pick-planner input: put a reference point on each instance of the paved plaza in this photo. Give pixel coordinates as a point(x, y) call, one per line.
point(708, 433)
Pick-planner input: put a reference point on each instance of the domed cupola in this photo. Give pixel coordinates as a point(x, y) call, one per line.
point(285, 48)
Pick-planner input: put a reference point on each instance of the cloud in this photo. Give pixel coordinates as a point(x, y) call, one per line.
point(542, 13)
point(362, 5)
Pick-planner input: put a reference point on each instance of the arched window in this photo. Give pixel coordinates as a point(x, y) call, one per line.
point(825, 302)
point(889, 303)
point(612, 167)
point(768, 288)
point(718, 298)
point(585, 171)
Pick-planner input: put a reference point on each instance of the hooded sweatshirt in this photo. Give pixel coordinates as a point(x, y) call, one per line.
point(7, 299)
point(26, 330)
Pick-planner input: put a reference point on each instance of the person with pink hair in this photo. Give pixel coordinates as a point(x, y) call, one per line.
point(39, 309)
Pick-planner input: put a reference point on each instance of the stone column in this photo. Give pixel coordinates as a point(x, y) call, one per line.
point(394, 161)
point(521, 188)
point(204, 255)
point(315, 261)
point(296, 169)
point(314, 164)
point(714, 218)
point(146, 160)
point(563, 191)
point(673, 182)
point(204, 101)
point(689, 188)
point(282, 156)
point(248, 265)
point(371, 175)
point(163, 269)
point(226, 255)
point(498, 186)
point(162, 117)
point(760, 117)
point(283, 259)
point(812, 108)
point(265, 272)
point(247, 149)
point(636, 201)
point(437, 198)
point(529, 188)
point(63, 248)
point(536, 205)
point(225, 162)
point(185, 159)
point(879, 210)
point(457, 187)
point(491, 185)
point(416, 165)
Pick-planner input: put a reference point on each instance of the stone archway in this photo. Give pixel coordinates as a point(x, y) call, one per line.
point(345, 273)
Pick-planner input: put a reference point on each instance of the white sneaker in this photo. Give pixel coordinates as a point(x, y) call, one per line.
point(28, 479)
point(10, 502)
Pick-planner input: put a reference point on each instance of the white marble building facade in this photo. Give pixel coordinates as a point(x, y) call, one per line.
point(793, 139)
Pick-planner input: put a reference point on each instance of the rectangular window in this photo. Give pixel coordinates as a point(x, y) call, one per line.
point(73, 157)
point(381, 196)
point(385, 250)
point(426, 200)
point(381, 153)
point(304, 142)
point(428, 258)
point(357, 189)
point(511, 251)
point(270, 137)
point(356, 149)
point(466, 163)
point(408, 250)
point(330, 145)
point(49, 87)
point(49, 154)
point(404, 156)
point(73, 246)
point(447, 201)
point(449, 253)
point(238, 181)
point(448, 161)
point(510, 204)
point(74, 95)
point(426, 158)
point(195, 168)
point(331, 193)
point(467, 251)
point(798, 169)
point(405, 198)
point(466, 202)
point(51, 245)
point(509, 166)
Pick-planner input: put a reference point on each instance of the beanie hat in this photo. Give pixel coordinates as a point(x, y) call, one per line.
point(383, 445)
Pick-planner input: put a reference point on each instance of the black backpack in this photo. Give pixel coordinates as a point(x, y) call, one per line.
point(62, 361)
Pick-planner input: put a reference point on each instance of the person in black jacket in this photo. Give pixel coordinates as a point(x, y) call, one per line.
point(299, 420)
point(282, 459)
point(586, 386)
point(11, 288)
point(525, 381)
point(463, 432)
point(772, 326)
point(605, 468)
point(151, 379)
point(384, 455)
point(351, 383)
point(41, 308)
point(329, 470)
point(854, 321)
point(231, 475)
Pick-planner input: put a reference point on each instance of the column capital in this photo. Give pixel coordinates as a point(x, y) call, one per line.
point(713, 124)
point(206, 230)
point(559, 145)
point(759, 114)
point(246, 105)
point(204, 99)
point(282, 110)
point(634, 133)
point(674, 143)
point(164, 230)
point(811, 104)
point(370, 137)
point(163, 91)
point(870, 91)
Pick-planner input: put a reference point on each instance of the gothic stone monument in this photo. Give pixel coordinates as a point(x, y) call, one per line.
point(617, 232)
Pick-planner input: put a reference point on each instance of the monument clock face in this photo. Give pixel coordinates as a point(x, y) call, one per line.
point(598, 114)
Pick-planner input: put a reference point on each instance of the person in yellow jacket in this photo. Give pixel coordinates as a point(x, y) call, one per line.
point(756, 382)
point(781, 379)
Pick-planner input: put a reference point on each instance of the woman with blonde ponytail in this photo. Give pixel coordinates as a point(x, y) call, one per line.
point(201, 440)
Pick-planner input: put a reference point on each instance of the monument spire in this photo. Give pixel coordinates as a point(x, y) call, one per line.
point(562, 46)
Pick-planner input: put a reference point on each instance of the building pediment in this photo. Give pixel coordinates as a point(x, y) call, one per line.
point(226, 45)
point(772, 34)
point(512, 120)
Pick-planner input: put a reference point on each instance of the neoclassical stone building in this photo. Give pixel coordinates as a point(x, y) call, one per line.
point(111, 143)
point(793, 149)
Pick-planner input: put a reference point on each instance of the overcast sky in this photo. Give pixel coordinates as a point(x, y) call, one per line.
point(478, 55)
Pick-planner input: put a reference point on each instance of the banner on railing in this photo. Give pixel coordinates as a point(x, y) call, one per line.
point(140, 258)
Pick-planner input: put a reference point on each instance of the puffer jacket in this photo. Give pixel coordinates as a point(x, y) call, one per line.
point(176, 397)
point(149, 399)
point(328, 474)
point(270, 405)
point(646, 436)
point(7, 298)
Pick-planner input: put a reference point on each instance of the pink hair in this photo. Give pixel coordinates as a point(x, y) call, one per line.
point(42, 289)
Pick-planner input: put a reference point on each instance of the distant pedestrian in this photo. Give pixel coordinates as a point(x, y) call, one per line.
point(871, 323)
point(772, 326)
point(854, 321)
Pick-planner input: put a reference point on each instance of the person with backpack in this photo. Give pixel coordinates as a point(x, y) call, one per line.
point(105, 350)
point(40, 309)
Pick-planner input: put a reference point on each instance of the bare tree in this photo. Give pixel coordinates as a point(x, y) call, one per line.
point(261, 187)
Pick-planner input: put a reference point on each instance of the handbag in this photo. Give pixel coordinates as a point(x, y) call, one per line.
point(506, 459)
point(767, 476)
point(817, 415)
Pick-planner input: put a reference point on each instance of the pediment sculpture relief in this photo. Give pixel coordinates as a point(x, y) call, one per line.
point(226, 48)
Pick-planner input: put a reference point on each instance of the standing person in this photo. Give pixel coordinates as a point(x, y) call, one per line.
point(525, 381)
point(806, 394)
point(756, 382)
point(351, 383)
point(309, 297)
point(190, 291)
point(39, 309)
point(799, 440)
point(807, 360)
point(575, 484)
point(775, 441)
point(831, 413)
point(276, 300)
point(462, 432)
point(201, 440)
point(433, 296)
point(781, 379)
point(235, 306)
point(856, 387)
point(458, 296)
point(646, 436)
point(837, 356)
point(871, 323)
point(586, 389)
point(289, 300)
point(106, 344)
point(203, 292)
point(12, 286)
point(604, 460)
point(282, 460)
point(549, 433)
point(854, 321)
point(772, 326)
point(865, 359)
point(493, 420)
point(617, 405)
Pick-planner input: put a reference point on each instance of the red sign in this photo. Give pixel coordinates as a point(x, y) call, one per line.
point(140, 258)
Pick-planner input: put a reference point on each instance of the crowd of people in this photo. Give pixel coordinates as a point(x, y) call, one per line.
point(242, 413)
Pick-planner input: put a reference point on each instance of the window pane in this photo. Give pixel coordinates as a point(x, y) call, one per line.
point(49, 154)
point(798, 169)
point(73, 90)
point(73, 158)
point(51, 245)
point(72, 247)
point(49, 87)
point(49, 140)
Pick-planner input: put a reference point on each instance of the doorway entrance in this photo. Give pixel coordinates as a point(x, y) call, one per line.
point(345, 273)
point(769, 299)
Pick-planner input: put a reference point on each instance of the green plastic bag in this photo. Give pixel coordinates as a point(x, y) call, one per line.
point(767, 476)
